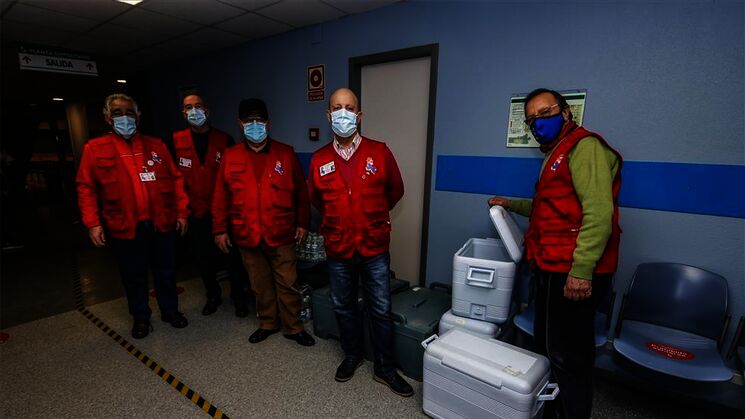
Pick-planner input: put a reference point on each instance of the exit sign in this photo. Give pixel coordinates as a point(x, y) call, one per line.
point(56, 61)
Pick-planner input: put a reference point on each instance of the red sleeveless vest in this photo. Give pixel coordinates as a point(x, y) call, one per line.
point(261, 208)
point(199, 178)
point(118, 208)
point(556, 214)
point(355, 215)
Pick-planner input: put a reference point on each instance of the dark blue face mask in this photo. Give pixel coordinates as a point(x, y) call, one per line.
point(547, 129)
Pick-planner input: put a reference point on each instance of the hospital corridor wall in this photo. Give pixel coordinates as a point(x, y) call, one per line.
point(664, 83)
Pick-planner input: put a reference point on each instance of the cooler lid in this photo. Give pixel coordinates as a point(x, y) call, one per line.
point(509, 232)
point(490, 361)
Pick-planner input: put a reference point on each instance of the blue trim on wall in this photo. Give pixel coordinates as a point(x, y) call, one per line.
point(711, 189)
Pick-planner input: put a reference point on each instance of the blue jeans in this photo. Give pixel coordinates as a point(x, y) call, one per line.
point(374, 273)
point(149, 250)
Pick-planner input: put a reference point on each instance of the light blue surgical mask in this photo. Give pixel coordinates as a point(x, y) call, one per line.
point(343, 123)
point(196, 117)
point(255, 131)
point(124, 125)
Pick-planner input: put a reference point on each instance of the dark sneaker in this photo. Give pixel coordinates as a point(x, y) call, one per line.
point(302, 338)
point(141, 328)
point(176, 320)
point(347, 367)
point(210, 307)
point(397, 384)
point(261, 334)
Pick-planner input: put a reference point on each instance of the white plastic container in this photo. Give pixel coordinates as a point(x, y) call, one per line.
point(450, 320)
point(470, 376)
point(484, 271)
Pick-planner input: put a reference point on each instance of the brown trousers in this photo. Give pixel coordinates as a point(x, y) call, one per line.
point(273, 277)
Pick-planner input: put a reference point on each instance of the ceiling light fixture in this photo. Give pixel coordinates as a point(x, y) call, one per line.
point(58, 99)
point(130, 2)
point(122, 81)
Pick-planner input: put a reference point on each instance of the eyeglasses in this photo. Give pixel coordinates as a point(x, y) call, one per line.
point(540, 114)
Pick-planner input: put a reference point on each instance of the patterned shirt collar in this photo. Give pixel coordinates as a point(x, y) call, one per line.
point(346, 153)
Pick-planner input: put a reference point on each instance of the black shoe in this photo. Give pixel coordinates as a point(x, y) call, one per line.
point(347, 367)
point(141, 328)
point(176, 320)
point(211, 306)
point(302, 338)
point(397, 384)
point(261, 334)
point(241, 311)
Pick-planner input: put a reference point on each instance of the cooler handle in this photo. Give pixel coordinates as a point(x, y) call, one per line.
point(480, 282)
point(554, 387)
point(429, 340)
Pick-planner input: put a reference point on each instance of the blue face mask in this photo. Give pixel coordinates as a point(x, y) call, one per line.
point(343, 123)
point(124, 126)
point(547, 129)
point(255, 131)
point(196, 117)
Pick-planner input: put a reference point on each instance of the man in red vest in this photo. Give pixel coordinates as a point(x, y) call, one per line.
point(572, 243)
point(262, 197)
point(132, 196)
point(198, 152)
point(355, 182)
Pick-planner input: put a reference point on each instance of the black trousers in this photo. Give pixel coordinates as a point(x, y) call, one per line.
point(148, 251)
point(209, 260)
point(564, 331)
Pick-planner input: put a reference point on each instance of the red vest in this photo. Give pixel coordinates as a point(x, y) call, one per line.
point(261, 208)
point(118, 208)
point(199, 178)
point(355, 215)
point(556, 214)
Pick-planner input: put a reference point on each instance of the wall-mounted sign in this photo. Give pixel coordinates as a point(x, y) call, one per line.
point(55, 61)
point(316, 83)
point(518, 133)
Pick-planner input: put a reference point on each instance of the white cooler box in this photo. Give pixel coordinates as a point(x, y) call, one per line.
point(484, 271)
point(470, 376)
point(450, 320)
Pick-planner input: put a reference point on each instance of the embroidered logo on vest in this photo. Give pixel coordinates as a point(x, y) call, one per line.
point(556, 164)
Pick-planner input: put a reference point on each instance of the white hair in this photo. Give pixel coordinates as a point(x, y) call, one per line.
point(118, 96)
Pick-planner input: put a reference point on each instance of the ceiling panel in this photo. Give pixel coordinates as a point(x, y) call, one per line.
point(99, 10)
point(205, 12)
point(46, 18)
point(112, 39)
point(300, 13)
point(249, 4)
point(252, 26)
point(152, 23)
point(25, 33)
point(358, 6)
point(214, 38)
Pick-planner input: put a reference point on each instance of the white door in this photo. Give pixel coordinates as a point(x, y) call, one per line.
point(395, 106)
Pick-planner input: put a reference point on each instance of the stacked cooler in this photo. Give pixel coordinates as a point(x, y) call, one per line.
point(324, 318)
point(483, 275)
point(467, 372)
point(415, 314)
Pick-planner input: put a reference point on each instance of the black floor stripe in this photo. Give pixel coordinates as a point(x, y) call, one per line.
point(171, 380)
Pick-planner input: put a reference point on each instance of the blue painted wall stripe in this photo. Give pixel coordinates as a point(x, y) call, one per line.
point(711, 189)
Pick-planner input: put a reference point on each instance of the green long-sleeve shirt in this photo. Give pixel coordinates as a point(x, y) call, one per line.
point(593, 167)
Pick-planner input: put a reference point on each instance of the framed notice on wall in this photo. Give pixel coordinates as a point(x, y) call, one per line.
point(518, 133)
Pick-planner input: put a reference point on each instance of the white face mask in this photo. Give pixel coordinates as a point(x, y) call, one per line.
point(124, 125)
point(343, 123)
